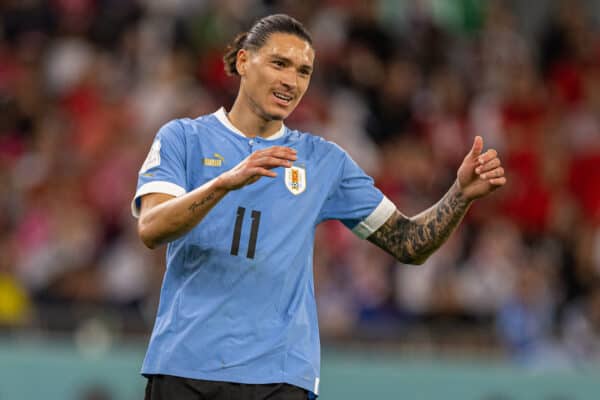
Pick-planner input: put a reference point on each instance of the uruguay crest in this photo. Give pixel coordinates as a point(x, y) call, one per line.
point(295, 179)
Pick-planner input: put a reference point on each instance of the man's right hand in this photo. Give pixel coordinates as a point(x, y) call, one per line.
point(256, 165)
point(164, 218)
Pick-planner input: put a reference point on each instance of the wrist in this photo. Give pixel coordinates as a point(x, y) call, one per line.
point(219, 184)
point(458, 191)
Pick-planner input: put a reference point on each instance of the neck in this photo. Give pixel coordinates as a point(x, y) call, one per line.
point(248, 120)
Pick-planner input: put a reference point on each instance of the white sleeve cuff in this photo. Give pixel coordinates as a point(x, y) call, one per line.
point(382, 213)
point(154, 187)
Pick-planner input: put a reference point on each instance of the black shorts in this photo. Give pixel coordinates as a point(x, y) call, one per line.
point(166, 387)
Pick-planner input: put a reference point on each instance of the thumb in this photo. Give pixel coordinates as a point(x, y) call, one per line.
point(477, 147)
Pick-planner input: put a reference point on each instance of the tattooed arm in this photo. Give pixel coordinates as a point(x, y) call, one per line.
point(164, 218)
point(413, 240)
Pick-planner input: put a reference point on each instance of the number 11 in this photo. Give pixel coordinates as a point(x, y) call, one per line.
point(237, 232)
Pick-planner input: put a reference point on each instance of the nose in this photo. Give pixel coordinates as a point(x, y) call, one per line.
point(289, 79)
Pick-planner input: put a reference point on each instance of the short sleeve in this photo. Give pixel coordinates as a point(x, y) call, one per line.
point(355, 201)
point(163, 171)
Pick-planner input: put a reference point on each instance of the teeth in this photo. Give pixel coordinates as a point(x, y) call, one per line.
point(282, 97)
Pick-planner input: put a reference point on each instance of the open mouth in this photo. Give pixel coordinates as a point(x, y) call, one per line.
point(283, 98)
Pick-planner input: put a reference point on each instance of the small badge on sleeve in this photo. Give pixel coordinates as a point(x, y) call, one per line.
point(153, 158)
point(295, 179)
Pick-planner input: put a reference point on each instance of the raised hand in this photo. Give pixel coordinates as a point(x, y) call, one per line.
point(480, 174)
point(256, 165)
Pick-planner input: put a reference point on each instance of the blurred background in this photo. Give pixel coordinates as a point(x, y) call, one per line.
point(508, 309)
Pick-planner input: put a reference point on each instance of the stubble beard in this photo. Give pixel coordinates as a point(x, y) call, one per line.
point(262, 113)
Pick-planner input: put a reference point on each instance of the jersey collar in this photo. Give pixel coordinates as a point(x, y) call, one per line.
point(221, 115)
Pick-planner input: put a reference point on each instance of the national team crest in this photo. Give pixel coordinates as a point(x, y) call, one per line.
point(295, 179)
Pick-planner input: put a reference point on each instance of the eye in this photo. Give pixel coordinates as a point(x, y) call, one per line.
point(278, 63)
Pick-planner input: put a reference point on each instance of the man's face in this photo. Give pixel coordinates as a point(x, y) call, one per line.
point(276, 76)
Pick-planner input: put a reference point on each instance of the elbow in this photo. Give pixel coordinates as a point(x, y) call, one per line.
point(419, 261)
point(411, 259)
point(146, 237)
point(149, 243)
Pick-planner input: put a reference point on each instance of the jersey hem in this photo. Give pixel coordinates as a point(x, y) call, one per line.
point(154, 187)
point(228, 377)
point(382, 213)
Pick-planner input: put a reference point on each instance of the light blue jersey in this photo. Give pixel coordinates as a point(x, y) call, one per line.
point(237, 302)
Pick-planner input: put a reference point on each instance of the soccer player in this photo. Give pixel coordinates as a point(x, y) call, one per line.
point(237, 196)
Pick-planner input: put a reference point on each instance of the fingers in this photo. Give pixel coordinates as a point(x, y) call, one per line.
point(498, 181)
point(477, 147)
point(259, 171)
point(286, 153)
point(487, 156)
point(488, 166)
point(261, 162)
point(270, 162)
point(258, 164)
point(273, 157)
point(495, 173)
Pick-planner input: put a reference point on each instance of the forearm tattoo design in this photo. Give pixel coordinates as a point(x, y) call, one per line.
point(198, 204)
point(412, 240)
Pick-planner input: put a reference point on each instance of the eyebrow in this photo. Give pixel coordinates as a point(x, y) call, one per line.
point(289, 61)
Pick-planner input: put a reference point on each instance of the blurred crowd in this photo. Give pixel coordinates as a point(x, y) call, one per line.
point(403, 86)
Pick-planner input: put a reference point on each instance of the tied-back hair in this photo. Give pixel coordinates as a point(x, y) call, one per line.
point(257, 36)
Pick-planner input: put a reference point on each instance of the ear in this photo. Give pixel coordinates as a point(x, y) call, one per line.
point(241, 61)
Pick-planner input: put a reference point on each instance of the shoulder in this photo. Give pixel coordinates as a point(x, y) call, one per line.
point(179, 128)
point(191, 124)
point(173, 127)
point(315, 143)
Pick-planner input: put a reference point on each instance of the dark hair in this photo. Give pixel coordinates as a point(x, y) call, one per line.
point(257, 36)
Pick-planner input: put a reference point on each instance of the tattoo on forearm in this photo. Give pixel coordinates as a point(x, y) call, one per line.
point(412, 240)
point(197, 204)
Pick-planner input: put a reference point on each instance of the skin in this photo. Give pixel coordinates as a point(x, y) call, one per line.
point(284, 65)
point(411, 240)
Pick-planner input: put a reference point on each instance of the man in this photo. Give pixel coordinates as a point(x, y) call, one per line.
point(237, 197)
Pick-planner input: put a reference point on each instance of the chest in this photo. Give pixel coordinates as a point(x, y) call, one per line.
point(306, 181)
point(270, 214)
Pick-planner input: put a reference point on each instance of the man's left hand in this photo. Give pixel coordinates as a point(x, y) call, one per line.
point(480, 173)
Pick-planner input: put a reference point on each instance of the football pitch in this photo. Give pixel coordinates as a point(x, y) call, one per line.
point(56, 370)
